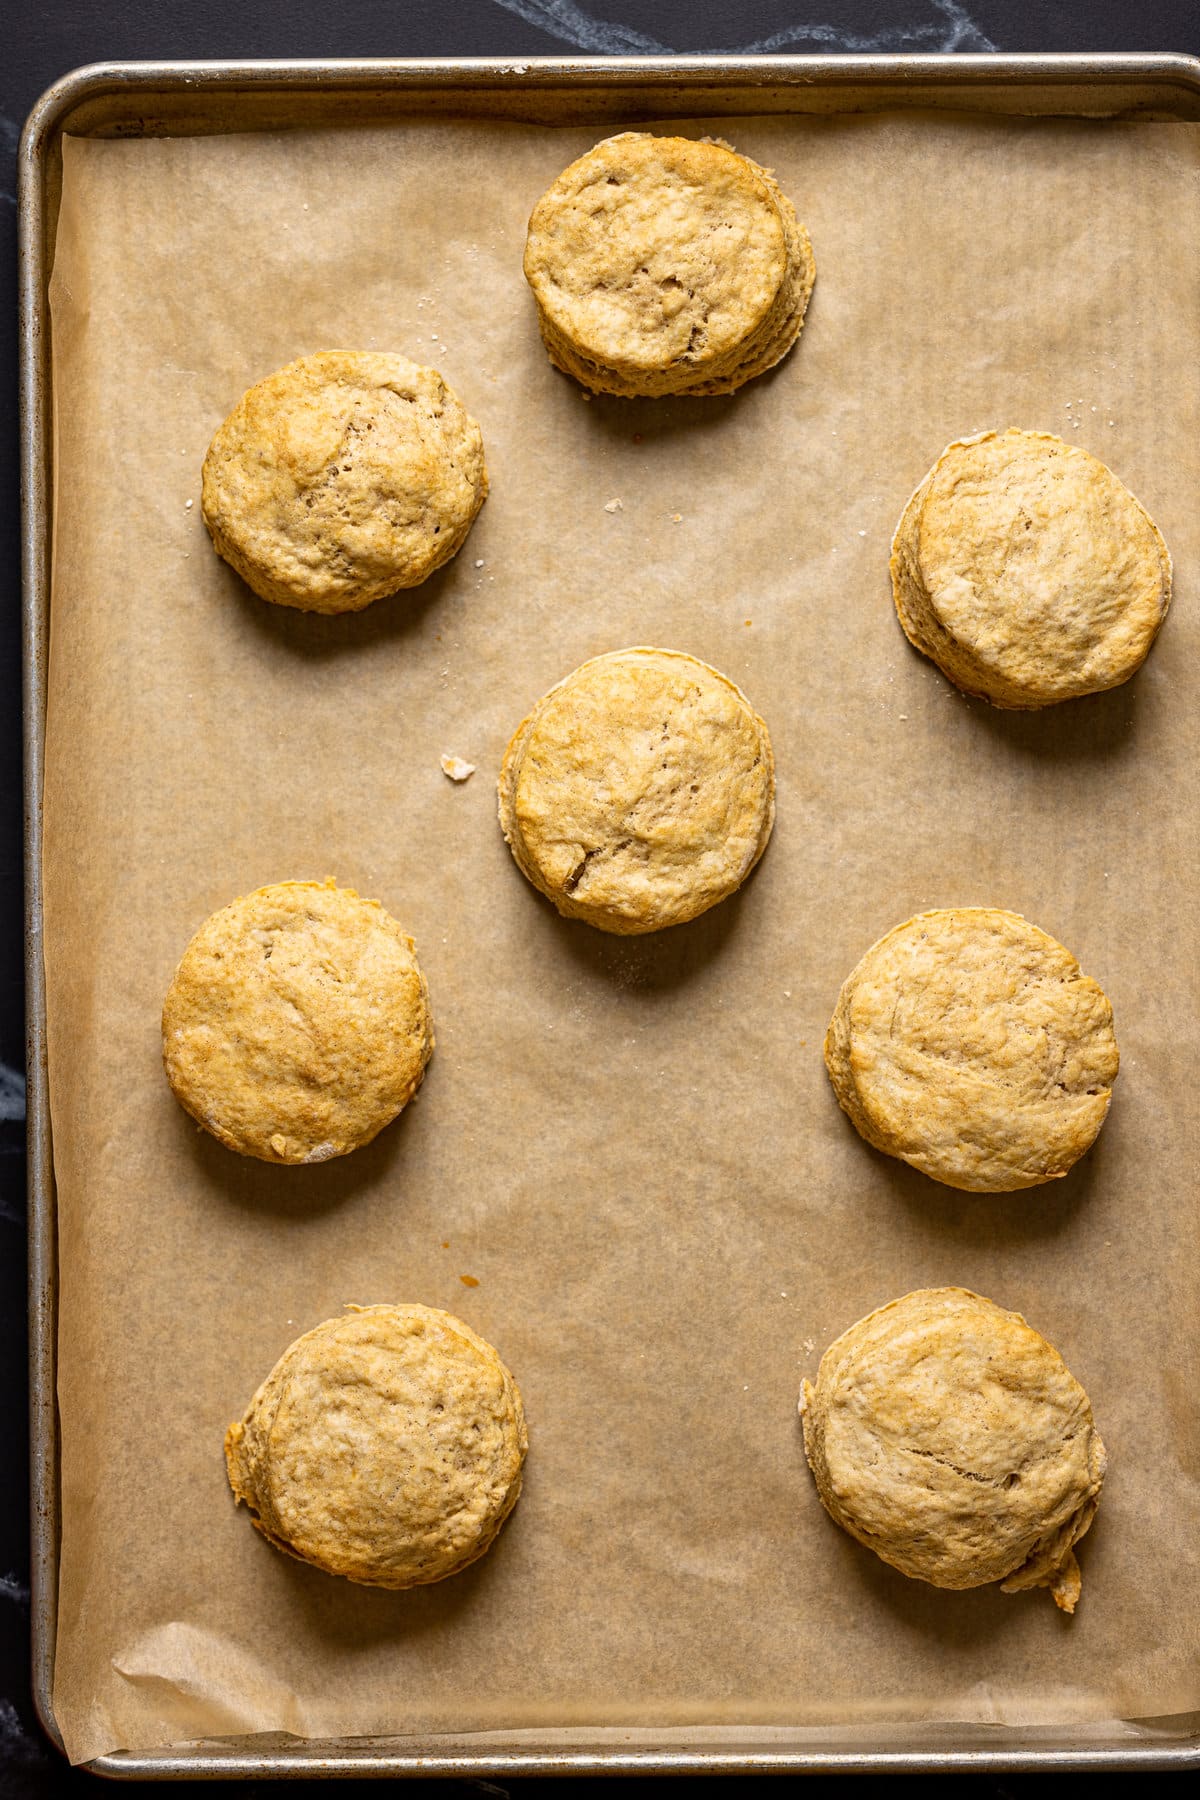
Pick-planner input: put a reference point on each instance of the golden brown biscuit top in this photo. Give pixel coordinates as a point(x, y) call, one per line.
point(342, 477)
point(297, 1023)
point(385, 1446)
point(978, 1050)
point(952, 1439)
point(649, 249)
point(640, 790)
point(1040, 565)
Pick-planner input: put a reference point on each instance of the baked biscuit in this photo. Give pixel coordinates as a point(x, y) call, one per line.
point(968, 1043)
point(297, 1024)
point(666, 265)
point(342, 478)
point(385, 1446)
point(640, 791)
point(1027, 571)
point(952, 1440)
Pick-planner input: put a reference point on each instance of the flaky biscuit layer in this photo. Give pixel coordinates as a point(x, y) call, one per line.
point(640, 791)
point(297, 1024)
point(968, 1043)
point(1027, 571)
point(385, 1446)
point(342, 478)
point(667, 266)
point(951, 1439)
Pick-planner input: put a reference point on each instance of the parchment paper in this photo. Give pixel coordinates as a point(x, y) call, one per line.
point(631, 1147)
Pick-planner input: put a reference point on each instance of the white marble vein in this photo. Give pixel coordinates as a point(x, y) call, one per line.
point(602, 37)
point(12, 1094)
point(10, 137)
point(950, 28)
point(19, 1749)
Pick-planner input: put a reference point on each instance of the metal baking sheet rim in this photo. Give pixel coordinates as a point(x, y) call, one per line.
point(133, 99)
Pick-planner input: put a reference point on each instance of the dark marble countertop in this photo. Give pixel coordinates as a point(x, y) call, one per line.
point(42, 43)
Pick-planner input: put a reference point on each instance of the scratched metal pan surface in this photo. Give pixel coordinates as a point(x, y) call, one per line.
point(179, 99)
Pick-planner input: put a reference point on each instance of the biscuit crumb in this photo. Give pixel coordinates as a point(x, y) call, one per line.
point(469, 1280)
point(479, 562)
point(614, 506)
point(456, 768)
point(676, 518)
point(188, 505)
point(810, 1345)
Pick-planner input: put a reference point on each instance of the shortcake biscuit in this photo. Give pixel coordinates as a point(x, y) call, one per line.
point(968, 1043)
point(1027, 571)
point(297, 1024)
point(385, 1446)
point(952, 1440)
point(640, 791)
point(342, 478)
point(666, 265)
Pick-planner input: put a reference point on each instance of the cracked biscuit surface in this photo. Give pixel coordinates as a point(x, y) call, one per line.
point(951, 1439)
point(297, 1024)
point(640, 791)
point(666, 265)
point(1027, 572)
point(385, 1446)
point(968, 1043)
point(342, 478)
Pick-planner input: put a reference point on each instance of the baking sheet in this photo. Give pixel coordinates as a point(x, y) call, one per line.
point(630, 1146)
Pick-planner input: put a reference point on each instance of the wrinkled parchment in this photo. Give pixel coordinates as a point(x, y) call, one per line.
point(631, 1146)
